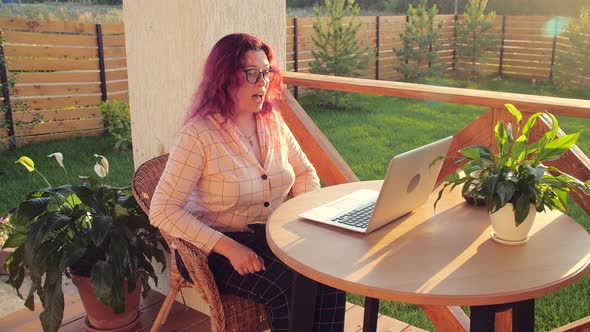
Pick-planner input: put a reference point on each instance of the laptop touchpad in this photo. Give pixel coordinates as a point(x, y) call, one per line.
point(345, 204)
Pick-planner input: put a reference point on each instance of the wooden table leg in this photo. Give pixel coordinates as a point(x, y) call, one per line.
point(303, 296)
point(523, 316)
point(483, 318)
point(371, 313)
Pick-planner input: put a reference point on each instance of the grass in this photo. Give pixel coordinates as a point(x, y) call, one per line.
point(73, 12)
point(78, 160)
point(385, 124)
point(76, 12)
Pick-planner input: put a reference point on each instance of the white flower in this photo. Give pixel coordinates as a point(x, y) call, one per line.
point(104, 164)
point(100, 170)
point(59, 157)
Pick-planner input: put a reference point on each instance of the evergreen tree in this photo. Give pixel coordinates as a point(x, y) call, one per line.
point(474, 38)
point(421, 44)
point(574, 63)
point(337, 51)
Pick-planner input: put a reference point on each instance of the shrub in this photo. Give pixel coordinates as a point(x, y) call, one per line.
point(116, 119)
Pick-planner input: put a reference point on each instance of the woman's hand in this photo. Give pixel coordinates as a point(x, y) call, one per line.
point(243, 259)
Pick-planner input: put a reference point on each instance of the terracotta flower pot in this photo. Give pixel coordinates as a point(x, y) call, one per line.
point(504, 227)
point(101, 317)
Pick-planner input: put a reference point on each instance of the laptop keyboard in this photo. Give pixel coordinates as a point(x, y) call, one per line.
point(357, 218)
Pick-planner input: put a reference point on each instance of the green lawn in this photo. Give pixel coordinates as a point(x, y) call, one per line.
point(368, 132)
point(78, 160)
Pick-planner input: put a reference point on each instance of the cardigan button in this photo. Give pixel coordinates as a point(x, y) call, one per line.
point(264, 177)
point(266, 204)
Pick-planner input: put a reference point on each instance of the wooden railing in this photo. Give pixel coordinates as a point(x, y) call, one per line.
point(332, 169)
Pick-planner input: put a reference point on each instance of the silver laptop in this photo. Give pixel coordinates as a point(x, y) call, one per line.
point(408, 182)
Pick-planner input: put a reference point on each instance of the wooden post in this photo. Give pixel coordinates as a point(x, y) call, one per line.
point(455, 44)
point(407, 21)
point(502, 45)
point(556, 20)
point(6, 94)
point(295, 54)
point(103, 80)
point(378, 44)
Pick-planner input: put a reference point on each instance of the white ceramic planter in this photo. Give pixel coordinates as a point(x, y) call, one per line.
point(504, 226)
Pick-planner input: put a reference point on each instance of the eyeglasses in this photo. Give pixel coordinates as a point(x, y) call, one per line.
point(253, 75)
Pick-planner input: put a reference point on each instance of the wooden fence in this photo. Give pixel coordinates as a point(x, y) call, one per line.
point(63, 70)
point(527, 45)
point(56, 74)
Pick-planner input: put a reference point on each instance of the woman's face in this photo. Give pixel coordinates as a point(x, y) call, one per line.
point(250, 97)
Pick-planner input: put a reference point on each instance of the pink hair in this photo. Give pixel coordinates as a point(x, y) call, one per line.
point(222, 76)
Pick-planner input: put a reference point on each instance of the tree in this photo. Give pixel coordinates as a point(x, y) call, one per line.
point(474, 38)
point(574, 62)
point(337, 51)
point(421, 43)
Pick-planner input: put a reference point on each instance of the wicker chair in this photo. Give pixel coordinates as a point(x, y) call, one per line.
point(228, 312)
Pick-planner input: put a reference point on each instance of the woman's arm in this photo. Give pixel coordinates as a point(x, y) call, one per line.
point(178, 182)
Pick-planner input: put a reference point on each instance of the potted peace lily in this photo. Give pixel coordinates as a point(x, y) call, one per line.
point(514, 183)
point(95, 234)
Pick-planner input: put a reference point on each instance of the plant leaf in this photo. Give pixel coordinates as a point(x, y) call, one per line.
point(85, 194)
point(53, 303)
point(521, 209)
point(472, 153)
point(505, 191)
point(515, 112)
point(529, 124)
point(554, 149)
point(519, 149)
point(14, 240)
point(30, 209)
point(102, 281)
point(70, 257)
point(101, 226)
point(501, 137)
point(538, 172)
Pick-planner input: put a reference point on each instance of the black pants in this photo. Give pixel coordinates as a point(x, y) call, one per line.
point(272, 287)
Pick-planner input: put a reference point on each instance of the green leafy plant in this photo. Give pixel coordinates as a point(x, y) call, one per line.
point(91, 229)
point(421, 43)
point(117, 122)
point(516, 174)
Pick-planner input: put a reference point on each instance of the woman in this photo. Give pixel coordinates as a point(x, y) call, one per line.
point(234, 162)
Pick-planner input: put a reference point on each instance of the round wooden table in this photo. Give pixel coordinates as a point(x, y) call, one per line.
point(445, 257)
